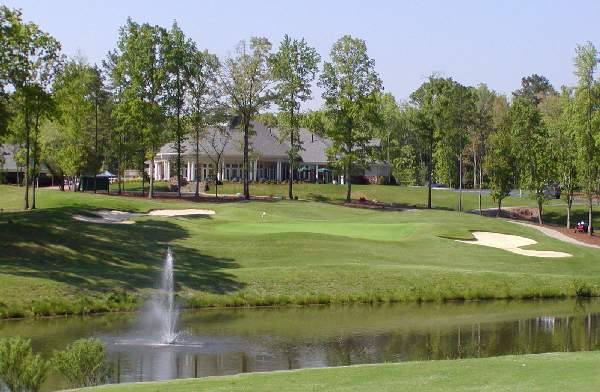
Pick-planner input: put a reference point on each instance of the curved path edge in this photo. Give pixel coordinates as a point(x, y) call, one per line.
point(555, 234)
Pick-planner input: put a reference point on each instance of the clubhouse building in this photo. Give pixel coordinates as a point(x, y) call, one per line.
point(268, 160)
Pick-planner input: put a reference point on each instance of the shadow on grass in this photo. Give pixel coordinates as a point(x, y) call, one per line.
point(50, 244)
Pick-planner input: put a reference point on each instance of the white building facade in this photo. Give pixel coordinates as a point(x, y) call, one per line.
point(268, 160)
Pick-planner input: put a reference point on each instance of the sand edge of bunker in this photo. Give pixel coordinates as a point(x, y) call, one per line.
point(511, 243)
point(116, 217)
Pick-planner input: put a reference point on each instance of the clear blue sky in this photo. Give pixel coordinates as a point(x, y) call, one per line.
point(496, 42)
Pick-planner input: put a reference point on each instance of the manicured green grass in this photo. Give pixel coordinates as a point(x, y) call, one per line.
point(300, 252)
point(542, 372)
point(408, 196)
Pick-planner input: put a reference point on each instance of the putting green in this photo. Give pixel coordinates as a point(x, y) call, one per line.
point(365, 231)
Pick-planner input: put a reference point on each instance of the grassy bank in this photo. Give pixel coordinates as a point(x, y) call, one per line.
point(578, 372)
point(554, 211)
point(301, 252)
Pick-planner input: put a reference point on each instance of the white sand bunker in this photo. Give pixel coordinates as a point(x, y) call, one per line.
point(511, 243)
point(190, 211)
point(108, 217)
point(114, 217)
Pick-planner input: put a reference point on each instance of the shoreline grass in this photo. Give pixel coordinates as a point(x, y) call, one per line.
point(534, 372)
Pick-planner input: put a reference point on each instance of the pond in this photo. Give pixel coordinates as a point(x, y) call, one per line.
point(229, 341)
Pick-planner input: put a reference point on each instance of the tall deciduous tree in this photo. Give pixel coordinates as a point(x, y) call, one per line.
point(444, 112)
point(500, 165)
point(78, 123)
point(294, 67)
point(586, 62)
point(535, 88)
point(32, 57)
point(531, 141)
point(217, 138)
point(178, 54)
point(352, 89)
point(558, 114)
point(482, 128)
point(137, 75)
point(246, 79)
point(206, 106)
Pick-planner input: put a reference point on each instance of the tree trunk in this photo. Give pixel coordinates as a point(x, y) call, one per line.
point(197, 192)
point(459, 184)
point(143, 173)
point(499, 212)
point(474, 168)
point(429, 179)
point(33, 188)
point(349, 183)
point(245, 166)
point(178, 154)
point(27, 146)
point(590, 215)
point(96, 148)
point(35, 153)
point(430, 169)
point(291, 168)
point(119, 176)
point(540, 211)
point(480, 186)
point(151, 185)
point(569, 204)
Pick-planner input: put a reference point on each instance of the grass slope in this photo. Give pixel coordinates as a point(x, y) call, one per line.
point(301, 252)
point(578, 372)
point(554, 211)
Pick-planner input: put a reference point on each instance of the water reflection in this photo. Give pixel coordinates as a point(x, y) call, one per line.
point(247, 340)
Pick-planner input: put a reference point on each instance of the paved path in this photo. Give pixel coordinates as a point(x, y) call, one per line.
point(555, 234)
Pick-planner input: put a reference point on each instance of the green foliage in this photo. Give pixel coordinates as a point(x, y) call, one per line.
point(294, 68)
point(535, 88)
point(245, 79)
point(78, 92)
point(20, 369)
point(83, 364)
point(532, 148)
point(351, 93)
point(500, 165)
point(137, 76)
point(582, 288)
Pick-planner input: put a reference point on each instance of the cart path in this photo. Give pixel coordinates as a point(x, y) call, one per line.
point(555, 234)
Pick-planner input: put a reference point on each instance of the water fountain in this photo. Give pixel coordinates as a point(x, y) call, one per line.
point(164, 306)
point(158, 322)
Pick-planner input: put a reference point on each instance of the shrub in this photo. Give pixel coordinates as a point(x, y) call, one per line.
point(20, 369)
point(582, 289)
point(83, 364)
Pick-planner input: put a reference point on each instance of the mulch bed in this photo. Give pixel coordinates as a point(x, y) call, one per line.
point(531, 215)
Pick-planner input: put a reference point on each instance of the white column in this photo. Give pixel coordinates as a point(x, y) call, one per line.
point(317, 173)
point(155, 173)
point(168, 170)
point(342, 180)
point(278, 170)
point(223, 170)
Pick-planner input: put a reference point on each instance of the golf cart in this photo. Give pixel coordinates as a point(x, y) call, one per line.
point(582, 227)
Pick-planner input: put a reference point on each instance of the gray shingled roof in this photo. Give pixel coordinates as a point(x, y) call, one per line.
point(9, 165)
point(265, 143)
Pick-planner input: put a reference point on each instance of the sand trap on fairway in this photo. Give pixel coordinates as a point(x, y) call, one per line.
point(190, 211)
point(114, 217)
point(511, 243)
point(108, 217)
